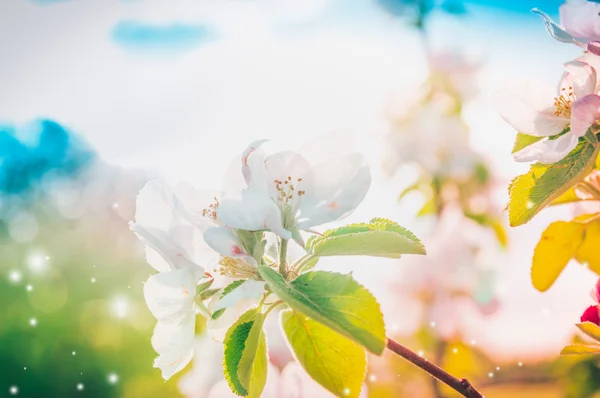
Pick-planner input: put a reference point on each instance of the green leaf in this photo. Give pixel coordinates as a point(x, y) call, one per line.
point(336, 301)
point(217, 314)
point(590, 329)
point(581, 349)
point(379, 238)
point(245, 355)
point(531, 192)
point(252, 368)
point(334, 361)
point(231, 287)
point(234, 344)
point(523, 141)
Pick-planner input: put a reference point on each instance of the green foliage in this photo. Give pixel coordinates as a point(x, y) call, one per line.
point(531, 192)
point(244, 360)
point(379, 238)
point(231, 287)
point(334, 361)
point(252, 368)
point(523, 141)
point(335, 300)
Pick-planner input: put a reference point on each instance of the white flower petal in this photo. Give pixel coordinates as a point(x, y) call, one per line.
point(174, 344)
point(249, 289)
point(548, 151)
point(529, 108)
point(154, 206)
point(556, 31)
point(580, 19)
point(195, 205)
point(585, 112)
point(170, 295)
point(254, 211)
point(204, 374)
point(581, 77)
point(253, 163)
point(218, 328)
point(340, 186)
point(171, 254)
point(224, 241)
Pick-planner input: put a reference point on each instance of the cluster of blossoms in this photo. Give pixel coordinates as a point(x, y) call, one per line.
point(207, 246)
point(557, 120)
point(558, 130)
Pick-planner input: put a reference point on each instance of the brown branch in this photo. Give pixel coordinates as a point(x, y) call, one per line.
point(461, 386)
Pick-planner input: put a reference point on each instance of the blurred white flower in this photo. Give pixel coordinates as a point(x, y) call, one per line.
point(433, 139)
point(286, 193)
point(455, 73)
point(451, 274)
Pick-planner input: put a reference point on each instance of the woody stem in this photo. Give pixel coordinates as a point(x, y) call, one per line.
point(463, 386)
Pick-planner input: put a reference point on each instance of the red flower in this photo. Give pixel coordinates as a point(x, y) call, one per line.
point(592, 314)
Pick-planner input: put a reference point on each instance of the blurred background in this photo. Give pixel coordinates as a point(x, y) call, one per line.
point(99, 96)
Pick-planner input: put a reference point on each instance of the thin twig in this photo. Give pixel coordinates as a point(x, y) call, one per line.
point(461, 386)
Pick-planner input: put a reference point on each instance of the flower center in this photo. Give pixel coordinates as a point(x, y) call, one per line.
point(236, 268)
point(286, 190)
point(211, 210)
point(288, 196)
point(563, 102)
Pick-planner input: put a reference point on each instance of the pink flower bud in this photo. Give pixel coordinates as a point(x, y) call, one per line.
point(592, 314)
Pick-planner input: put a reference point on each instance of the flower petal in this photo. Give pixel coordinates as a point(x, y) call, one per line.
point(253, 211)
point(580, 76)
point(249, 289)
point(585, 112)
point(217, 328)
point(580, 19)
point(154, 206)
point(340, 185)
point(556, 31)
point(253, 162)
point(591, 314)
point(548, 151)
point(170, 295)
point(195, 205)
point(163, 250)
point(174, 343)
point(529, 108)
point(224, 241)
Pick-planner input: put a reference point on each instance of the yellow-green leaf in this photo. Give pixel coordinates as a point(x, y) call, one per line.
point(590, 329)
point(556, 248)
point(563, 241)
point(523, 141)
point(334, 361)
point(581, 349)
point(252, 369)
point(378, 238)
point(568, 197)
point(531, 192)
